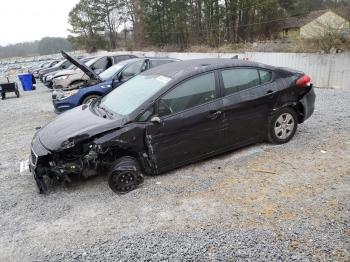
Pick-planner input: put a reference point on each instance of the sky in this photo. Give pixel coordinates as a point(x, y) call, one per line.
point(29, 20)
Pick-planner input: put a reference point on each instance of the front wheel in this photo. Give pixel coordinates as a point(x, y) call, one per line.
point(125, 175)
point(89, 99)
point(283, 126)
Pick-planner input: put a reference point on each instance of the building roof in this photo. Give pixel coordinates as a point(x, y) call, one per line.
point(300, 21)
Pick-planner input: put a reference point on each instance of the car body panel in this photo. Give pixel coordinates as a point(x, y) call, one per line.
point(70, 126)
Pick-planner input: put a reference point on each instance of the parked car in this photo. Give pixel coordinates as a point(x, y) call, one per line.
point(61, 65)
point(171, 116)
point(80, 78)
point(49, 77)
point(106, 82)
point(44, 65)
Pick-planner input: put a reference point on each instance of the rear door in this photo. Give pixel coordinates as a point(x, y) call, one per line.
point(191, 123)
point(249, 94)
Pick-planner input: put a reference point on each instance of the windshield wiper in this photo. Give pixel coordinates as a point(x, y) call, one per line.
point(107, 112)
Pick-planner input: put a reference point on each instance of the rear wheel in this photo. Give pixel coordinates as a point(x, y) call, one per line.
point(17, 91)
point(283, 126)
point(125, 175)
point(89, 99)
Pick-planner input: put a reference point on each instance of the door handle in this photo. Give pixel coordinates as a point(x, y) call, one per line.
point(270, 92)
point(215, 115)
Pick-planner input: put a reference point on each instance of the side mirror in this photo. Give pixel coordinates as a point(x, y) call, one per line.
point(156, 120)
point(115, 83)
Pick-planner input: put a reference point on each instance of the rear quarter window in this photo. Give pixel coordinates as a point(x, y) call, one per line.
point(239, 79)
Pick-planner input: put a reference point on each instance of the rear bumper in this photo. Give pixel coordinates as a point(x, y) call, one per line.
point(308, 102)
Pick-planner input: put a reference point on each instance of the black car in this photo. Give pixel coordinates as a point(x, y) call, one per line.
point(171, 116)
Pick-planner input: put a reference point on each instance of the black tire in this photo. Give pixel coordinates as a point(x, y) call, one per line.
point(3, 96)
point(89, 99)
point(17, 92)
point(283, 126)
point(125, 176)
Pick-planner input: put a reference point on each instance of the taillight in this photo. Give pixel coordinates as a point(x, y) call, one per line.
point(304, 81)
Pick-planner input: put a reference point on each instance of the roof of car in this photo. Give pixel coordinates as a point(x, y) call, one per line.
point(192, 67)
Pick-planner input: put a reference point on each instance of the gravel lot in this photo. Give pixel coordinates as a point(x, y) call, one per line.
point(216, 210)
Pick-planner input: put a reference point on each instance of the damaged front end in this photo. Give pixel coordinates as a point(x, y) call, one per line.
point(75, 159)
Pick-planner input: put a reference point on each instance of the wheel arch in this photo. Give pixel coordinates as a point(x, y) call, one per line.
point(88, 94)
point(296, 106)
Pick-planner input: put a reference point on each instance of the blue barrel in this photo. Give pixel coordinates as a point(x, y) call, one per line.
point(26, 81)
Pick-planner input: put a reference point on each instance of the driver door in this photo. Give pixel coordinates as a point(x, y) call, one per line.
point(190, 124)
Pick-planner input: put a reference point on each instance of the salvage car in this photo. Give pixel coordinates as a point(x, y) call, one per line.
point(80, 78)
point(50, 77)
point(171, 116)
point(61, 65)
point(113, 77)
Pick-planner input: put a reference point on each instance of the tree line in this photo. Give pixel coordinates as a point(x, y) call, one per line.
point(45, 46)
point(182, 23)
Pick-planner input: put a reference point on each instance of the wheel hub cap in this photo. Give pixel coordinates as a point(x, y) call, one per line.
point(284, 126)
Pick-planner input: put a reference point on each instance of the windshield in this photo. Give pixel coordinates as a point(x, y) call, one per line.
point(110, 72)
point(131, 95)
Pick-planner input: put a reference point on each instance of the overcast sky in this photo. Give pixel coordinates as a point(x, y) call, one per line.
point(28, 20)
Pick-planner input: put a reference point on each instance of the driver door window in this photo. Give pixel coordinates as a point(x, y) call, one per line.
point(191, 93)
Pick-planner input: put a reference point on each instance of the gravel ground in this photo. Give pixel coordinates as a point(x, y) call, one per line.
point(216, 210)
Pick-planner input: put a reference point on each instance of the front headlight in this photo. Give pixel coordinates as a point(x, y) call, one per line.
point(65, 94)
point(49, 77)
point(106, 86)
point(62, 77)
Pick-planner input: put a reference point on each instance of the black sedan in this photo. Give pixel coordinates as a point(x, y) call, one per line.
point(171, 116)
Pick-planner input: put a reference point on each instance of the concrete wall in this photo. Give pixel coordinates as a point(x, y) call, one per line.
point(325, 70)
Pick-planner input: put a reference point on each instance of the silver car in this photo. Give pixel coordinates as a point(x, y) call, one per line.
point(76, 78)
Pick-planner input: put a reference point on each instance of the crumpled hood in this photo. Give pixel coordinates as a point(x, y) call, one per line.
point(78, 123)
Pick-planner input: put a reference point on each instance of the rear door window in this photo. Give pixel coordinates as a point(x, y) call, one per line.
point(265, 76)
point(193, 92)
point(119, 58)
point(239, 79)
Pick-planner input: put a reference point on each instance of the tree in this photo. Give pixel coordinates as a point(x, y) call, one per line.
point(85, 23)
point(111, 13)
